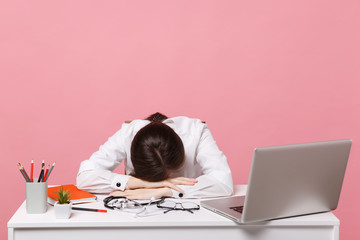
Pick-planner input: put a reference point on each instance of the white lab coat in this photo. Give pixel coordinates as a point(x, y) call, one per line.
point(203, 161)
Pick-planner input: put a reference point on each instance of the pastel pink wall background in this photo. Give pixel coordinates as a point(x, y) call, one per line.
point(259, 72)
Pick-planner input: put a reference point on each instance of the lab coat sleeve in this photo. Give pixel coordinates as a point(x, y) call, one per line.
point(96, 174)
point(216, 180)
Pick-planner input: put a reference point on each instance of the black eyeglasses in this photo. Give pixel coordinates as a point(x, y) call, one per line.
point(182, 206)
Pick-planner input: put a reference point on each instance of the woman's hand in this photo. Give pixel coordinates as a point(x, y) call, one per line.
point(143, 193)
point(136, 183)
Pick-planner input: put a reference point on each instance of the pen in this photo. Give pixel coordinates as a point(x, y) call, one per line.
point(89, 209)
point(50, 171)
point(41, 174)
point(32, 170)
point(23, 173)
point(46, 173)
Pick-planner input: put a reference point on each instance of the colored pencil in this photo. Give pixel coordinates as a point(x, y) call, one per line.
point(89, 209)
point(50, 171)
point(41, 174)
point(32, 171)
point(23, 169)
point(22, 172)
point(46, 173)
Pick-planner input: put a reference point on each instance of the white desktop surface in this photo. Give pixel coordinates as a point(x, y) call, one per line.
point(174, 225)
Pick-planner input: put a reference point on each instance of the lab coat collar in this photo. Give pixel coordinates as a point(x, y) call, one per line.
point(170, 122)
point(142, 123)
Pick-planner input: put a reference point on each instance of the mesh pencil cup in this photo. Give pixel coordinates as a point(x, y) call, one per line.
point(36, 196)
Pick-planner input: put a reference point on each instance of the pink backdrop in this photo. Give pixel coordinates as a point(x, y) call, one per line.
point(259, 72)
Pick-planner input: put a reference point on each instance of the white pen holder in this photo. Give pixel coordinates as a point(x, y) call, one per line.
point(36, 196)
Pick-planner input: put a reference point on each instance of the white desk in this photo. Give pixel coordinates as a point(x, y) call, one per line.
point(174, 225)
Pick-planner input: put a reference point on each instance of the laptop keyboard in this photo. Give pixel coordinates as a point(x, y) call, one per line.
point(238, 209)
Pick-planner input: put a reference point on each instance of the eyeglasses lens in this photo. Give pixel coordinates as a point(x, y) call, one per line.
point(189, 205)
point(168, 204)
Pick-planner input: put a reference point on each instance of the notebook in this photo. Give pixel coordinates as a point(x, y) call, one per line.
point(287, 181)
point(76, 195)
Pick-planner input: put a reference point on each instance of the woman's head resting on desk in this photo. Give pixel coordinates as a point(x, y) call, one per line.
point(156, 150)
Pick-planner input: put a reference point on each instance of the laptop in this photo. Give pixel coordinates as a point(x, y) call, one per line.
point(290, 180)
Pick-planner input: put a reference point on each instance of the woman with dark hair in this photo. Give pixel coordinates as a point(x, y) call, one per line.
point(164, 157)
